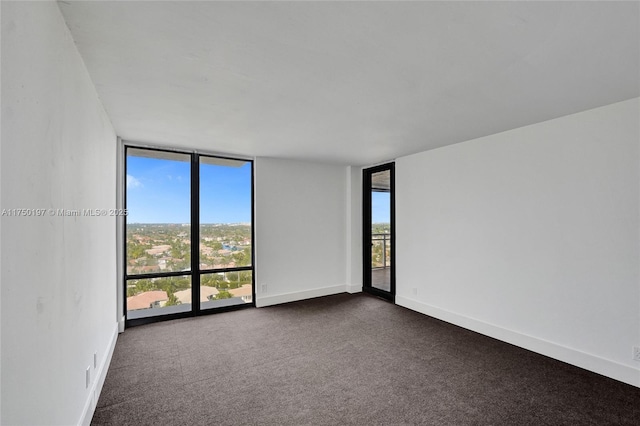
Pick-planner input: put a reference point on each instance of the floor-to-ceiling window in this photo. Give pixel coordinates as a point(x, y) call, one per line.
point(189, 234)
point(378, 231)
point(225, 232)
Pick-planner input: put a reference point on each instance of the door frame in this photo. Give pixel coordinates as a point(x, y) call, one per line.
point(366, 231)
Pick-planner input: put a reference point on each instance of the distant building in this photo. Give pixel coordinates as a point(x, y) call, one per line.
point(184, 296)
point(245, 293)
point(147, 300)
point(141, 269)
point(158, 249)
point(162, 264)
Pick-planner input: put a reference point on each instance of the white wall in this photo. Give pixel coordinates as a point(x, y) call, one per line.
point(531, 236)
point(300, 230)
point(354, 229)
point(58, 273)
point(1, 238)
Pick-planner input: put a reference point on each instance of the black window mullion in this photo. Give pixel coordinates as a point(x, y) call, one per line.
point(125, 275)
point(195, 233)
point(157, 275)
point(253, 240)
point(366, 227)
point(236, 269)
point(392, 171)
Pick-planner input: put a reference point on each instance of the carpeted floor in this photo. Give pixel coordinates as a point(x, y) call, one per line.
point(345, 360)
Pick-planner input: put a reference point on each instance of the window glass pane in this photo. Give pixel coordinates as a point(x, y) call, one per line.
point(225, 289)
point(381, 230)
point(225, 213)
point(158, 296)
point(158, 203)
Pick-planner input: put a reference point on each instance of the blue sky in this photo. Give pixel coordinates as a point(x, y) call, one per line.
point(380, 207)
point(158, 191)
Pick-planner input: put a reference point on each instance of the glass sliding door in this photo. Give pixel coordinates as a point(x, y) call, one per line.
point(378, 231)
point(381, 232)
point(226, 234)
point(189, 234)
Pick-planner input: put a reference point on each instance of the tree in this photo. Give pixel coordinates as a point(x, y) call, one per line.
point(245, 277)
point(173, 300)
point(211, 280)
point(239, 258)
point(224, 294)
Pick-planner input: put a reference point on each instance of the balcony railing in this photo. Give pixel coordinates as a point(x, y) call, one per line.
point(380, 251)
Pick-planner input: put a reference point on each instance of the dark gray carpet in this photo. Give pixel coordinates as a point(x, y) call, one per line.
point(345, 360)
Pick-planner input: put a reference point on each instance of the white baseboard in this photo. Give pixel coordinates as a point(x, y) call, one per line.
point(101, 375)
point(354, 288)
point(580, 359)
point(262, 301)
point(121, 325)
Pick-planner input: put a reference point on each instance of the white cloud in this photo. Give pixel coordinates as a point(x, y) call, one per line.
point(133, 182)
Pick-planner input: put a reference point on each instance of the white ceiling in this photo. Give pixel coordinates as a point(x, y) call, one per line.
point(350, 82)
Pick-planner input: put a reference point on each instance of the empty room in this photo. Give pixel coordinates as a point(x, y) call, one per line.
point(320, 212)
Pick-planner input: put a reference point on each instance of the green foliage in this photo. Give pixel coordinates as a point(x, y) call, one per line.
point(136, 251)
point(215, 245)
point(211, 280)
point(223, 295)
point(139, 286)
point(131, 291)
point(169, 285)
point(245, 277)
point(381, 228)
point(242, 258)
point(172, 301)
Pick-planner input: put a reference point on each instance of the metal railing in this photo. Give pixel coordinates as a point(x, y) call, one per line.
point(385, 241)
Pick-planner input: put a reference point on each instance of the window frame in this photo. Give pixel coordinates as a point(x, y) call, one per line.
point(194, 271)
